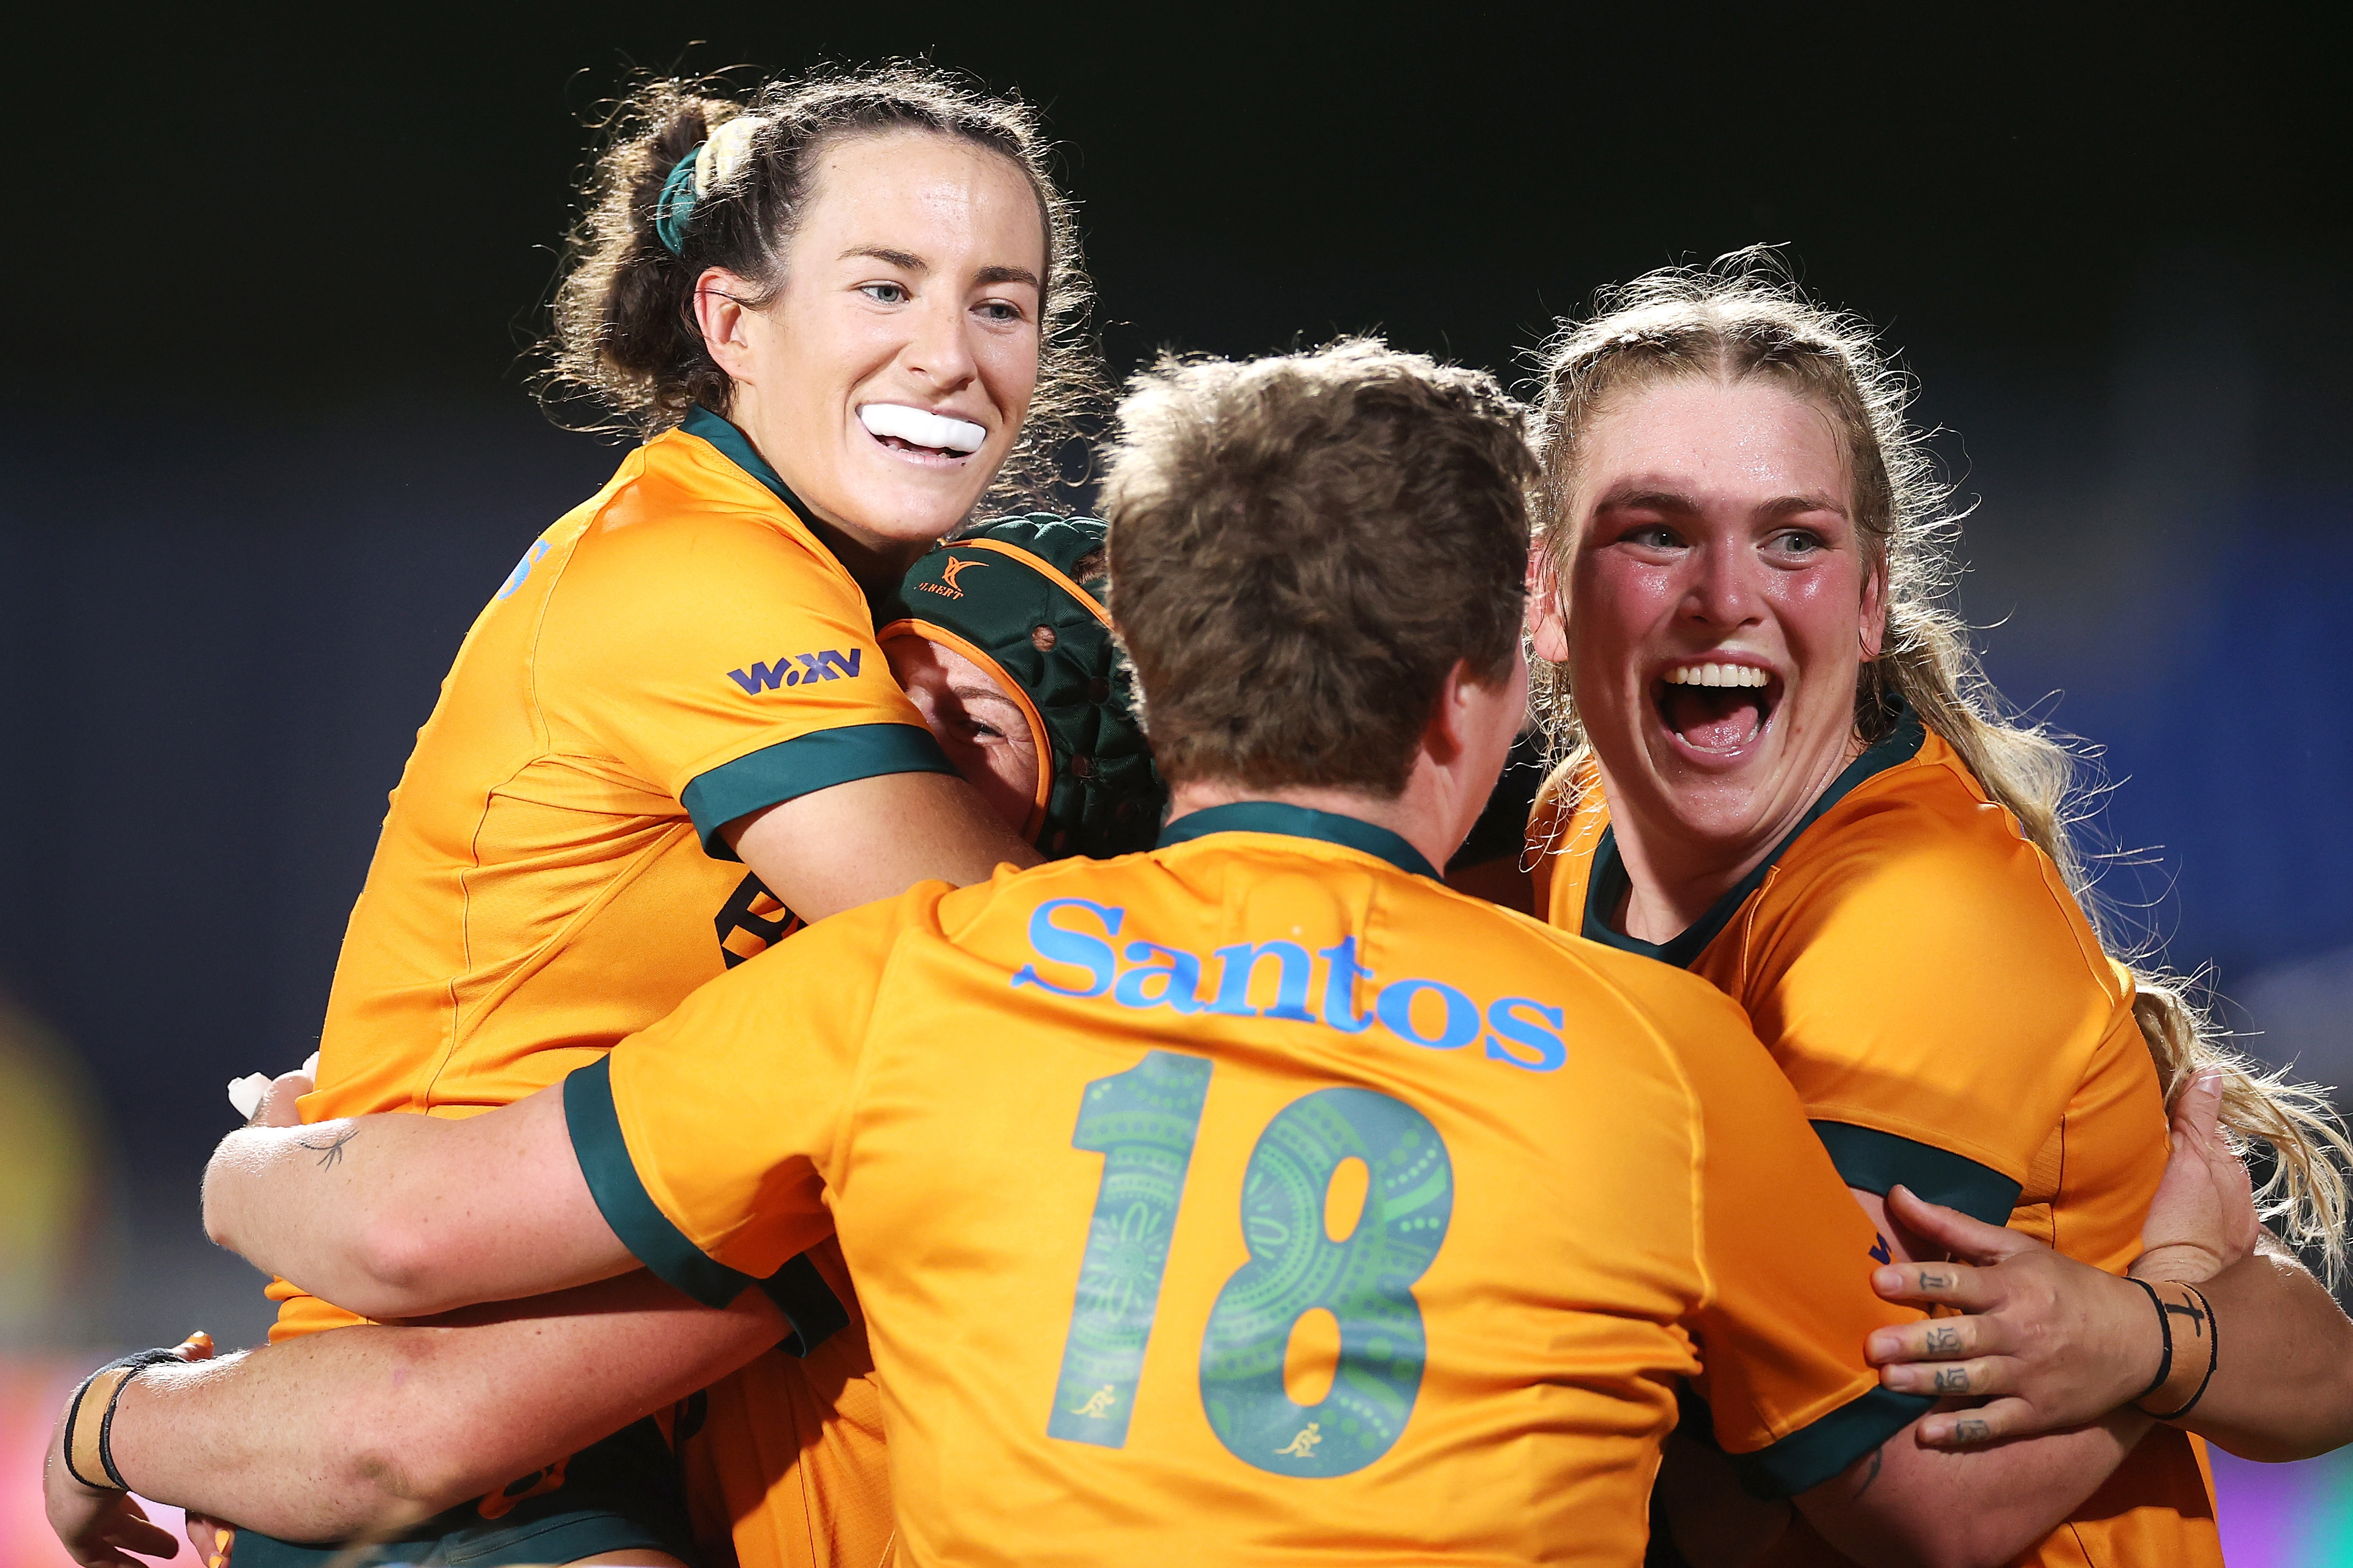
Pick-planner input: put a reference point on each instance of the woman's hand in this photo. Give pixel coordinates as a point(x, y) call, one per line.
point(98, 1526)
point(2202, 1219)
point(2052, 1342)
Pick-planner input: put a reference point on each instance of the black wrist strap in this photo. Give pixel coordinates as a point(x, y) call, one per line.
point(132, 1364)
point(2165, 1329)
point(2213, 1357)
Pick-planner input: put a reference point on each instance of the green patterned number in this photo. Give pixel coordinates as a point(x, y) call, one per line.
point(1365, 1281)
point(1142, 1122)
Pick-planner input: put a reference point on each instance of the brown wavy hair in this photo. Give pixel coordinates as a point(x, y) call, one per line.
point(1744, 318)
point(625, 329)
point(1301, 547)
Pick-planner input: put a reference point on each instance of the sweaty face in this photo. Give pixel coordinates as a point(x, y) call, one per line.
point(984, 731)
point(1718, 606)
point(894, 368)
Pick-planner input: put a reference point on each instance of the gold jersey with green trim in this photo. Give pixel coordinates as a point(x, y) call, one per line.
point(1932, 989)
point(678, 650)
point(1260, 1193)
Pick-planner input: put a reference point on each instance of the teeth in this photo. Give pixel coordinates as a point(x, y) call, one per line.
point(919, 428)
point(1716, 675)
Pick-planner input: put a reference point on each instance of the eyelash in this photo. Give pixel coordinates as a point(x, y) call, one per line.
point(1002, 312)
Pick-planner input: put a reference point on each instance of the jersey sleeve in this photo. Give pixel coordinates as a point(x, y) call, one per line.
point(1788, 1257)
point(1933, 993)
point(708, 1139)
point(725, 665)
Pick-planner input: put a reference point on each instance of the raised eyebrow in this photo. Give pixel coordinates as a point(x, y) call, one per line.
point(1006, 275)
point(1651, 500)
point(906, 259)
point(1796, 506)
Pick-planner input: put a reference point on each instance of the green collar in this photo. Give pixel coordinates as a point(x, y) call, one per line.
point(1608, 882)
point(737, 448)
point(1299, 821)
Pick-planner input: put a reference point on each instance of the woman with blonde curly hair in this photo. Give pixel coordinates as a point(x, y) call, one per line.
point(1780, 767)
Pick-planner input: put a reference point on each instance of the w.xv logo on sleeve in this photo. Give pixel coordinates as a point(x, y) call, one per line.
point(829, 664)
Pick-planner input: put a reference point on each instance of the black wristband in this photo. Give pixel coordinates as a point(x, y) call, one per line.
point(134, 1363)
point(2165, 1329)
point(2213, 1358)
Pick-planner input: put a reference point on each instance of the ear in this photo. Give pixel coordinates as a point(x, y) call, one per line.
point(1547, 626)
point(1448, 730)
point(720, 315)
point(1874, 626)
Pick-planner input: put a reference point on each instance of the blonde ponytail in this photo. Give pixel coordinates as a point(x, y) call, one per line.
point(1743, 318)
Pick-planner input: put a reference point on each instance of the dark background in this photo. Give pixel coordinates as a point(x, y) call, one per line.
point(267, 442)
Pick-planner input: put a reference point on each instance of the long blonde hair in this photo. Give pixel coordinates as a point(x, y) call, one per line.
point(1743, 318)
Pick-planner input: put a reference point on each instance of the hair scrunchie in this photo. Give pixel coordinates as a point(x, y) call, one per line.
point(675, 205)
point(710, 162)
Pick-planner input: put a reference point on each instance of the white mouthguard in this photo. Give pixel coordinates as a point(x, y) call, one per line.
point(919, 428)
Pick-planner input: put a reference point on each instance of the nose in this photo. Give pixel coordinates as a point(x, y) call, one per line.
point(939, 350)
point(1722, 592)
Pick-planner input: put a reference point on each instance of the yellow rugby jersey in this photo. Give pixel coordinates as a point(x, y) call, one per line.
point(1922, 975)
point(1259, 1193)
point(676, 652)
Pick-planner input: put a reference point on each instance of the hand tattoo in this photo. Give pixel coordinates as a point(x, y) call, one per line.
point(1942, 1337)
point(1952, 1380)
point(1936, 1281)
point(330, 1149)
point(1971, 1431)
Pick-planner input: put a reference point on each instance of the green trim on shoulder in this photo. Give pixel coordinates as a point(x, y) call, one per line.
point(803, 765)
point(799, 1292)
point(621, 1196)
point(1299, 821)
point(1606, 884)
point(737, 448)
point(1876, 1161)
point(809, 1304)
point(1812, 1454)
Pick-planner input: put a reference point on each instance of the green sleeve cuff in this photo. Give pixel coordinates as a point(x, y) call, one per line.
point(803, 765)
point(1875, 1162)
point(798, 1289)
point(1806, 1458)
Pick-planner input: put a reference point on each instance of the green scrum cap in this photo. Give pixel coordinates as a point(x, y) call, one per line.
point(1022, 598)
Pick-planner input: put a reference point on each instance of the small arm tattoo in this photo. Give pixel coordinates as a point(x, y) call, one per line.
point(330, 1149)
point(1878, 1457)
point(1942, 1337)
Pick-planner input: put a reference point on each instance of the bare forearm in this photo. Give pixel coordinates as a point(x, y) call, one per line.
point(1909, 1504)
point(400, 1216)
point(2282, 1383)
point(303, 1202)
point(361, 1428)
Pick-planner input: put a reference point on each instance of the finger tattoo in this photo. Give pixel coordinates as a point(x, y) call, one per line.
point(1934, 1281)
point(1971, 1431)
point(1952, 1380)
point(1942, 1337)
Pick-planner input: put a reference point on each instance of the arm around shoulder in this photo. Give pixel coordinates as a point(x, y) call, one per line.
point(401, 1216)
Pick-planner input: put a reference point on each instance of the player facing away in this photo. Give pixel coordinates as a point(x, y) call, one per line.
point(1254, 1197)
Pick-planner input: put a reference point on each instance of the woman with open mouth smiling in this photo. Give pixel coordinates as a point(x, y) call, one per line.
point(1784, 772)
point(833, 316)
